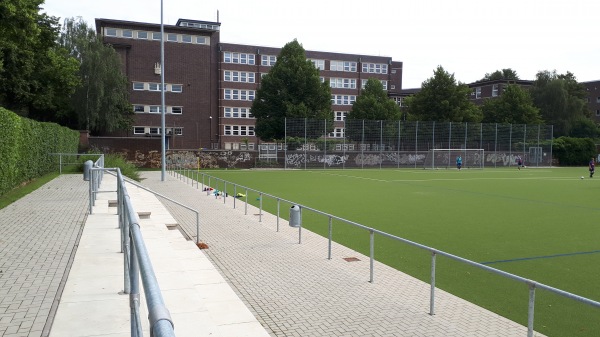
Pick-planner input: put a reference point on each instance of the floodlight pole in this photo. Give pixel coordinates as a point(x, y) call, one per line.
point(162, 95)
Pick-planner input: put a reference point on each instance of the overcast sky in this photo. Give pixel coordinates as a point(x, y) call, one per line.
point(468, 38)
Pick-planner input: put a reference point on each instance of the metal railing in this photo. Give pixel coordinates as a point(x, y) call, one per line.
point(65, 162)
point(531, 284)
point(137, 264)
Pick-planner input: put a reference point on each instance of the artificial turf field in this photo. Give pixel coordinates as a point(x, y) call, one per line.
point(538, 223)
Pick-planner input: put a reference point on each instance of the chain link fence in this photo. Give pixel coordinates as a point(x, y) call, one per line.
point(313, 143)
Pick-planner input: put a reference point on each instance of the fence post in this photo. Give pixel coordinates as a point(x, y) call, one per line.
point(432, 292)
point(330, 239)
point(531, 309)
point(372, 255)
point(260, 210)
point(278, 203)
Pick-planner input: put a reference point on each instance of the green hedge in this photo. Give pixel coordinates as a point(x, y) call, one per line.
point(26, 147)
point(573, 151)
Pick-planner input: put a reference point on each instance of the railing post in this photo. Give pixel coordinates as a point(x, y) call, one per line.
point(278, 203)
point(330, 238)
point(134, 294)
point(260, 210)
point(197, 228)
point(531, 309)
point(224, 191)
point(432, 292)
point(246, 205)
point(234, 194)
point(372, 256)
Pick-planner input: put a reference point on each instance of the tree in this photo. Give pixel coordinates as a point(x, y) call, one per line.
point(374, 104)
point(443, 99)
point(101, 103)
point(37, 77)
point(560, 99)
point(292, 89)
point(504, 74)
point(514, 106)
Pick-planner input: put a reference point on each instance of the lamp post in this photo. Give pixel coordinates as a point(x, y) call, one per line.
point(210, 131)
point(162, 95)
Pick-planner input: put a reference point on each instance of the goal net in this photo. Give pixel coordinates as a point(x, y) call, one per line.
point(446, 158)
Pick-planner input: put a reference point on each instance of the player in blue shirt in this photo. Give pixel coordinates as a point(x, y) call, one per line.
point(458, 162)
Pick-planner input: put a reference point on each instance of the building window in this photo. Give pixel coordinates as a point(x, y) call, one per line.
point(139, 130)
point(154, 86)
point(340, 115)
point(138, 108)
point(178, 131)
point(128, 33)
point(186, 38)
point(154, 109)
point(597, 112)
point(154, 131)
point(384, 84)
point(393, 71)
point(268, 60)
point(375, 68)
point(238, 76)
point(597, 99)
point(343, 99)
point(477, 92)
point(319, 64)
point(200, 39)
point(142, 35)
point(177, 88)
point(172, 37)
point(343, 66)
point(229, 57)
point(392, 87)
point(343, 83)
point(110, 32)
point(155, 35)
point(337, 133)
point(495, 90)
point(177, 110)
point(239, 130)
point(230, 112)
point(138, 86)
point(239, 95)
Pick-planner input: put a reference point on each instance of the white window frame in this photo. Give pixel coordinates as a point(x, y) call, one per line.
point(136, 130)
point(177, 110)
point(127, 33)
point(172, 37)
point(156, 36)
point(268, 60)
point(110, 32)
point(138, 108)
point(186, 38)
point(477, 92)
point(139, 34)
point(177, 88)
point(340, 115)
point(319, 64)
point(143, 86)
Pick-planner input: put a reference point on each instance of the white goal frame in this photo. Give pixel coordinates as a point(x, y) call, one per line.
point(446, 158)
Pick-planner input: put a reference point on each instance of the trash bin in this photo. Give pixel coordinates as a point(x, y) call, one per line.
point(87, 166)
point(295, 216)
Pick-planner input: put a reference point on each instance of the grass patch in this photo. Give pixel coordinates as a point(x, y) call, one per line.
point(26, 188)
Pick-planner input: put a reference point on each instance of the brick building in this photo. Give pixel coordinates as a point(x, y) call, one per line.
point(593, 98)
point(209, 85)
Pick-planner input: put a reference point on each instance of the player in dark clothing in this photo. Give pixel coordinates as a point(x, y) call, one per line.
point(592, 167)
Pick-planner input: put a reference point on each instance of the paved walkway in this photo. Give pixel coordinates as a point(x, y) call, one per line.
point(292, 289)
point(38, 238)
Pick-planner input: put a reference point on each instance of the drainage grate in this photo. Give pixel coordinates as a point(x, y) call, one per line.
point(351, 259)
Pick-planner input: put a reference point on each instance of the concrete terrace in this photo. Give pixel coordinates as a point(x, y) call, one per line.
point(61, 273)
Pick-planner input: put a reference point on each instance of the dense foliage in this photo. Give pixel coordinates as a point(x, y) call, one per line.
point(442, 99)
point(292, 89)
point(514, 106)
point(573, 151)
point(26, 148)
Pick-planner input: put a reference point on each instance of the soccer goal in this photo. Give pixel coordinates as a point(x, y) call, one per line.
point(446, 158)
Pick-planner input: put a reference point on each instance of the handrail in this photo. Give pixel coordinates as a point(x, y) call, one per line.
point(531, 284)
point(137, 264)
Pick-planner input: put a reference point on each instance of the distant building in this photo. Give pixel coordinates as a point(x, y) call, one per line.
point(593, 98)
point(494, 88)
point(210, 86)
